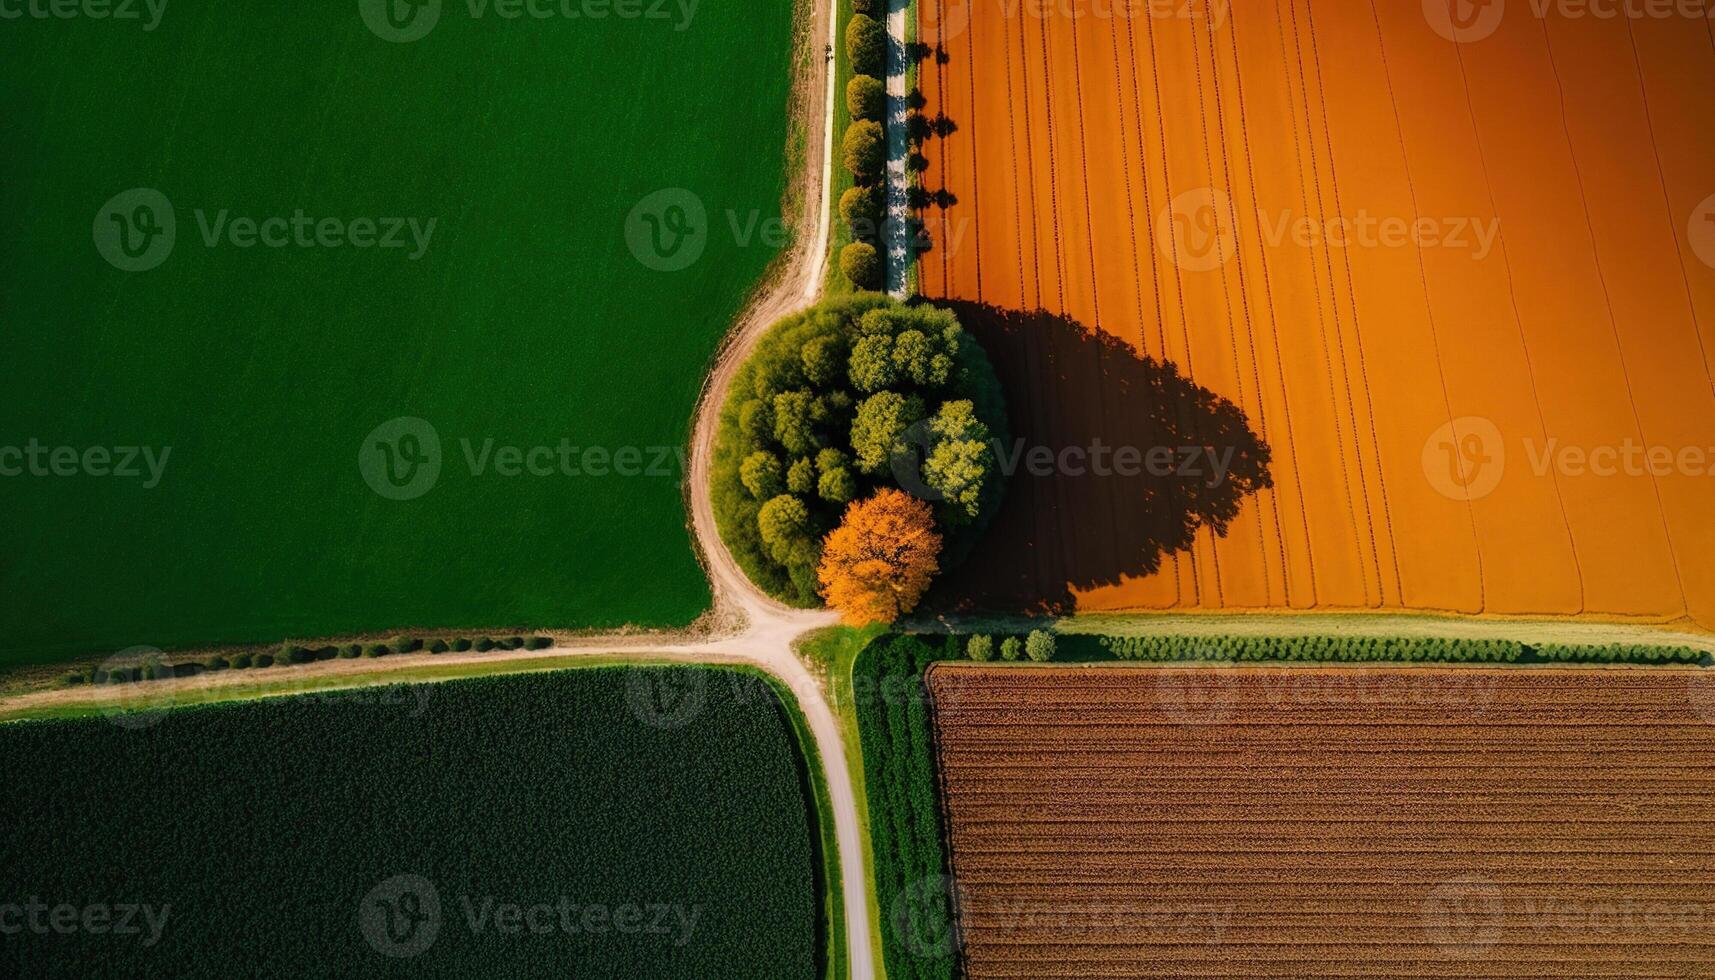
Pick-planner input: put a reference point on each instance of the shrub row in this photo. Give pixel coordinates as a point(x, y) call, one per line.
point(293, 653)
point(1039, 645)
point(1373, 649)
point(864, 147)
point(1621, 654)
point(1315, 649)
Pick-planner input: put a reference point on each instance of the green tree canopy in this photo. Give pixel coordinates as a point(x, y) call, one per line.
point(1039, 646)
point(960, 460)
point(861, 263)
point(801, 477)
point(865, 150)
point(879, 431)
point(866, 45)
point(761, 475)
point(866, 97)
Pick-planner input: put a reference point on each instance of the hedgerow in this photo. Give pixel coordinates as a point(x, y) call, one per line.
point(1374, 649)
point(151, 668)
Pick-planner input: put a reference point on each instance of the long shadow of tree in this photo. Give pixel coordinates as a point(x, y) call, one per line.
point(1071, 392)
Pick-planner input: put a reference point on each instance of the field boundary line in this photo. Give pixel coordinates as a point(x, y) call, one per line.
point(1333, 299)
point(1667, 205)
point(1613, 321)
point(1357, 335)
point(1428, 301)
point(1518, 322)
point(1273, 333)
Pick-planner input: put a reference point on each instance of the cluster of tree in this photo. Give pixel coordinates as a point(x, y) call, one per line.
point(863, 207)
point(856, 396)
point(1039, 646)
point(152, 668)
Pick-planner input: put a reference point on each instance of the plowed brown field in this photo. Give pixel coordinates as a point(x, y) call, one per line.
point(1168, 822)
point(1453, 287)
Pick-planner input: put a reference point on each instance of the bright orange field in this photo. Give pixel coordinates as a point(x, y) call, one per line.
point(1442, 395)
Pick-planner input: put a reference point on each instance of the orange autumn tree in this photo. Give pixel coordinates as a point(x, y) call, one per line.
point(881, 559)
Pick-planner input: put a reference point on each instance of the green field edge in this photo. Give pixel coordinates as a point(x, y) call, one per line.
point(833, 898)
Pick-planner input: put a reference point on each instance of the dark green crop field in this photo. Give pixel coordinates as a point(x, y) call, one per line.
point(647, 822)
point(351, 231)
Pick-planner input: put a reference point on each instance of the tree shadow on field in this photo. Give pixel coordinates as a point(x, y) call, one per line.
point(1119, 461)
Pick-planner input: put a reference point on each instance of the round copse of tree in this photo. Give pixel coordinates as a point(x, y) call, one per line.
point(819, 419)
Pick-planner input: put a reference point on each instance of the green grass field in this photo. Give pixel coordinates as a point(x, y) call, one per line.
point(525, 320)
point(264, 831)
